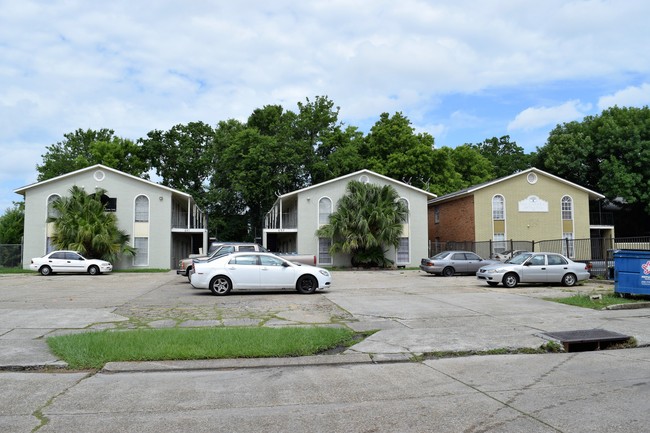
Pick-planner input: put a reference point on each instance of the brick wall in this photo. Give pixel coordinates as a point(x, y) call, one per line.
point(456, 221)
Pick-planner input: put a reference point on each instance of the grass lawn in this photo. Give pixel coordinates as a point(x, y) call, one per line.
point(15, 271)
point(94, 349)
point(585, 301)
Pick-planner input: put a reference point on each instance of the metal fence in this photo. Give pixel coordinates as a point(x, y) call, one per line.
point(598, 252)
point(11, 255)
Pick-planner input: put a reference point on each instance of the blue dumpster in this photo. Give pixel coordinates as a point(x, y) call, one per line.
point(632, 272)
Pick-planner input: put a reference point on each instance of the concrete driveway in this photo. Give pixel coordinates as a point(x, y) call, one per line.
point(415, 312)
point(363, 391)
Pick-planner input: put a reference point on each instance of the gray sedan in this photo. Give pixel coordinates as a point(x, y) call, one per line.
point(534, 268)
point(448, 263)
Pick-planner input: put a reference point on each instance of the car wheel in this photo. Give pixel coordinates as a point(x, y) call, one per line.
point(220, 285)
point(93, 270)
point(569, 280)
point(448, 272)
point(510, 280)
point(45, 270)
point(492, 283)
point(306, 284)
point(188, 273)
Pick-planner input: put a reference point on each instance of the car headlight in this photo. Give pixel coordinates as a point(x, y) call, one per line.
point(494, 271)
point(324, 272)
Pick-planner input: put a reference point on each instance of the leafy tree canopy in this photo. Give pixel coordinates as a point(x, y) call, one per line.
point(392, 148)
point(83, 225)
point(609, 153)
point(183, 156)
point(81, 149)
point(505, 156)
point(12, 224)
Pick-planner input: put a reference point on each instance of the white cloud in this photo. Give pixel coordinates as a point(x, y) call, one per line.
point(633, 96)
point(137, 66)
point(542, 117)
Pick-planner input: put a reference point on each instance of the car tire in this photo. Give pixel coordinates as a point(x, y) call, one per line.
point(448, 272)
point(45, 271)
point(220, 285)
point(188, 274)
point(510, 280)
point(569, 280)
point(93, 270)
point(306, 284)
point(492, 283)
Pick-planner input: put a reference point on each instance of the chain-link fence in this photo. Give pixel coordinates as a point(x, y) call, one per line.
point(11, 255)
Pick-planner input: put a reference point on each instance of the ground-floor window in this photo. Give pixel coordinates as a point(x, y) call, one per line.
point(50, 245)
point(403, 255)
point(324, 257)
point(142, 251)
point(499, 244)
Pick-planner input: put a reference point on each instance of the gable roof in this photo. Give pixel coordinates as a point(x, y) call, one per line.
point(356, 174)
point(22, 190)
point(472, 189)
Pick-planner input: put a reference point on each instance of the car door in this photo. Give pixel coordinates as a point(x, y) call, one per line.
point(57, 262)
point(459, 262)
point(244, 271)
point(74, 262)
point(534, 269)
point(557, 267)
point(473, 263)
point(274, 273)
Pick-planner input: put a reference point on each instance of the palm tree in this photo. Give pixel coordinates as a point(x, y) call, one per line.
point(84, 225)
point(368, 219)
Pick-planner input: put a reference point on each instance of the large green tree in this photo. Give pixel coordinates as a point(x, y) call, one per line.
point(12, 224)
point(368, 219)
point(83, 225)
point(392, 148)
point(81, 149)
point(609, 153)
point(183, 157)
point(505, 156)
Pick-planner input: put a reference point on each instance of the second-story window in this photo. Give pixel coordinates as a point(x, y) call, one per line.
point(567, 208)
point(498, 208)
point(51, 212)
point(141, 209)
point(324, 210)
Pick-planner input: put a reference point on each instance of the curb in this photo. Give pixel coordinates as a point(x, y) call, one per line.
point(228, 364)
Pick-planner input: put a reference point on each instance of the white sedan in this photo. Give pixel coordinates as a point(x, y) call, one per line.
point(256, 270)
point(534, 268)
point(69, 261)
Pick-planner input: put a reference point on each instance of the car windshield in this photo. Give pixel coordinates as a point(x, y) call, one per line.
point(519, 258)
point(441, 255)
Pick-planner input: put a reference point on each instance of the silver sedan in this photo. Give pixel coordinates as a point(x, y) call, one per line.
point(448, 263)
point(534, 268)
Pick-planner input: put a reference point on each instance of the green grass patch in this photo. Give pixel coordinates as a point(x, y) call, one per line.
point(92, 350)
point(16, 271)
point(586, 301)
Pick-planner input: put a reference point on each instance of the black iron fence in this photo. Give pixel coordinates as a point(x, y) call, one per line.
point(598, 252)
point(11, 255)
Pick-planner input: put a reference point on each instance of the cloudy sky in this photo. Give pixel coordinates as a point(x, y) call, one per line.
point(461, 70)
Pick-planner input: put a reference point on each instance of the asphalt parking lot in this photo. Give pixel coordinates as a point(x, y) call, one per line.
point(374, 386)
